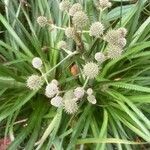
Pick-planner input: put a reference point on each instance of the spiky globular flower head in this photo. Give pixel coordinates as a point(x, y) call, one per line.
point(57, 101)
point(115, 38)
point(65, 5)
point(91, 70)
point(80, 19)
point(79, 92)
point(114, 52)
point(42, 21)
point(75, 7)
point(89, 91)
point(70, 102)
point(34, 82)
point(62, 45)
point(100, 57)
point(70, 32)
point(123, 31)
point(91, 99)
point(51, 90)
point(103, 4)
point(37, 62)
point(96, 29)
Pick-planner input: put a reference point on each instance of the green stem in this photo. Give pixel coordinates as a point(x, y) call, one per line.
point(70, 55)
point(45, 78)
point(86, 82)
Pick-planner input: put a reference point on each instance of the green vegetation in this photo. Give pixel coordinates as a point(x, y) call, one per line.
point(121, 117)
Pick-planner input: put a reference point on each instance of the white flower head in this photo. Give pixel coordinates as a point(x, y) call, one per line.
point(80, 19)
point(42, 21)
point(62, 45)
point(70, 102)
point(65, 5)
point(55, 82)
point(51, 90)
point(75, 8)
point(100, 57)
point(91, 99)
point(37, 62)
point(89, 91)
point(103, 4)
point(79, 92)
point(34, 82)
point(96, 29)
point(57, 101)
point(91, 70)
point(70, 32)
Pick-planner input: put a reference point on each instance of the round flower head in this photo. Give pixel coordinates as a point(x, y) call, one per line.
point(69, 102)
point(79, 92)
point(54, 81)
point(36, 62)
point(123, 31)
point(96, 29)
point(42, 21)
point(70, 32)
point(51, 90)
point(91, 99)
point(56, 101)
point(75, 8)
point(100, 57)
point(115, 38)
point(90, 70)
point(65, 5)
point(112, 37)
point(34, 82)
point(62, 45)
point(103, 4)
point(89, 91)
point(114, 52)
point(80, 19)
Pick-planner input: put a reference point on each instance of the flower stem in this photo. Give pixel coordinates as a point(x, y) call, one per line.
point(86, 82)
point(70, 55)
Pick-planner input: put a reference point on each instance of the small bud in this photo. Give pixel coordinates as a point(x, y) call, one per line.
point(56, 101)
point(54, 81)
point(100, 57)
point(89, 91)
point(79, 92)
point(36, 62)
point(91, 99)
point(51, 90)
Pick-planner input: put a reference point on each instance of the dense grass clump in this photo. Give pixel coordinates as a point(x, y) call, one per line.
point(75, 74)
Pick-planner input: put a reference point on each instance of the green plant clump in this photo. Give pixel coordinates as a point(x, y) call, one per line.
point(75, 74)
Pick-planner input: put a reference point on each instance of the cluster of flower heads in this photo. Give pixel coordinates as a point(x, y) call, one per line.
point(115, 39)
point(68, 100)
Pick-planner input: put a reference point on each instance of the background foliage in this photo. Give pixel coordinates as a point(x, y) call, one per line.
point(120, 119)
